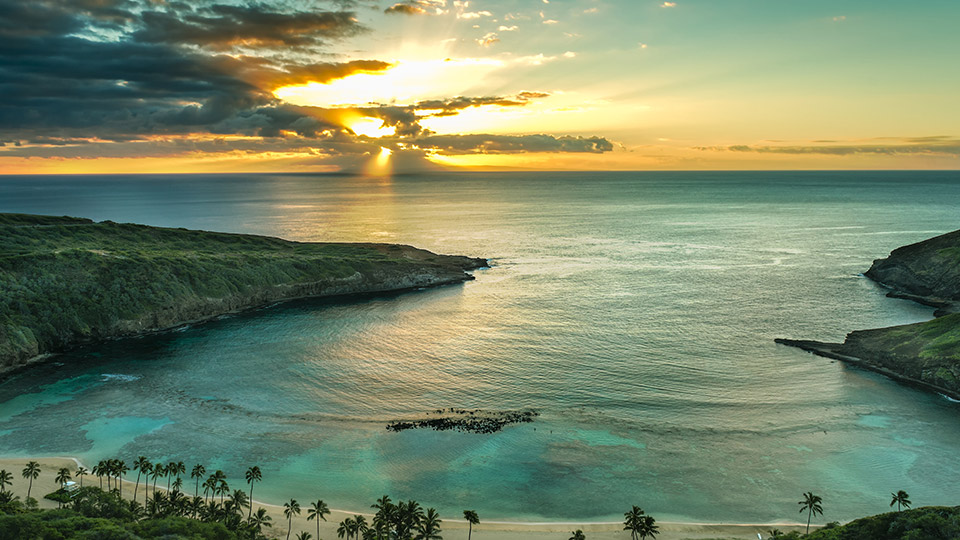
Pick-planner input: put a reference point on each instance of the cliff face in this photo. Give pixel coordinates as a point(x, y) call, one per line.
point(65, 281)
point(925, 354)
point(927, 272)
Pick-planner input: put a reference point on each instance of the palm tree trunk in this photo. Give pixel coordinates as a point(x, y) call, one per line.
point(250, 503)
point(809, 515)
point(30, 487)
point(135, 486)
point(289, 525)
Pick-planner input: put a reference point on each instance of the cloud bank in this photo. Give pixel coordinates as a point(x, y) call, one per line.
point(137, 78)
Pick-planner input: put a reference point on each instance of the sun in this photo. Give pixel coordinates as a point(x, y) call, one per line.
point(370, 127)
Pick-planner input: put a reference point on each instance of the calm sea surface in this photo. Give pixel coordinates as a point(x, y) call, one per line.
point(635, 311)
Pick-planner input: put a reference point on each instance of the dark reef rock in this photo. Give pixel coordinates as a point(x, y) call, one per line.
point(472, 421)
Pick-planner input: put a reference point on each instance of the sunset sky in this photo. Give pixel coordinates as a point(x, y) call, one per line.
point(370, 86)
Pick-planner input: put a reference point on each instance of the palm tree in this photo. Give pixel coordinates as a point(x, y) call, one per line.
point(120, 469)
point(220, 486)
point(472, 519)
point(811, 503)
point(633, 521)
point(384, 515)
point(901, 498)
point(304, 536)
point(6, 479)
point(31, 471)
point(98, 472)
point(208, 487)
point(775, 533)
point(171, 471)
point(318, 510)
point(253, 475)
point(239, 499)
point(81, 472)
point(178, 484)
point(429, 527)
point(359, 526)
point(648, 527)
point(260, 519)
point(180, 469)
point(197, 472)
point(142, 466)
point(159, 470)
point(290, 509)
point(63, 475)
point(578, 535)
point(345, 527)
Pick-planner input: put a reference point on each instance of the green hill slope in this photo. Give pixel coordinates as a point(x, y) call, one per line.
point(66, 280)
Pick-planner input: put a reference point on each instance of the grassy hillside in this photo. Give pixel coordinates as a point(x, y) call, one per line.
point(67, 280)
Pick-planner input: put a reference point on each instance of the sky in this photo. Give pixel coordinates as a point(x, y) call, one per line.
point(380, 87)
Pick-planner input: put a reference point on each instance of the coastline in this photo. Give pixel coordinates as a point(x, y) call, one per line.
point(452, 528)
point(835, 351)
point(7, 371)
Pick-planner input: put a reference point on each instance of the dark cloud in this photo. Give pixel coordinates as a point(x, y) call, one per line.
point(922, 145)
point(405, 9)
point(254, 25)
point(125, 78)
point(416, 7)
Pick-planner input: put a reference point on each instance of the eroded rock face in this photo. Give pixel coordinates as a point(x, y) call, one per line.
point(927, 271)
point(67, 281)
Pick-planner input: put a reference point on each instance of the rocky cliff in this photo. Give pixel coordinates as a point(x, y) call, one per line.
point(927, 272)
point(924, 354)
point(67, 281)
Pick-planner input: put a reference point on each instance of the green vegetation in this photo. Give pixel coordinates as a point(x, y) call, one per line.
point(67, 280)
point(927, 523)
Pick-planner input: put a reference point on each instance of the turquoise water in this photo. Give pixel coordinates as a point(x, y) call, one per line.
point(635, 311)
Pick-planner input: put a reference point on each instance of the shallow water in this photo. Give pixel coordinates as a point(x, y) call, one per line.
point(635, 311)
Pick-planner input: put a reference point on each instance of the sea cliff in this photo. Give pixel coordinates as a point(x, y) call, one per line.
point(924, 354)
point(67, 281)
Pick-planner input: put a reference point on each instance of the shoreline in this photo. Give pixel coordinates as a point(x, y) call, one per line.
point(833, 351)
point(7, 371)
point(488, 530)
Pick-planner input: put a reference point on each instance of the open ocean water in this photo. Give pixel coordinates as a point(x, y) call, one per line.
point(635, 311)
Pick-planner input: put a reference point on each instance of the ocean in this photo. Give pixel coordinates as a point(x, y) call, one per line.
point(636, 312)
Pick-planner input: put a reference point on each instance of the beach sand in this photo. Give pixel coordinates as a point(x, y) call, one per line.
point(453, 529)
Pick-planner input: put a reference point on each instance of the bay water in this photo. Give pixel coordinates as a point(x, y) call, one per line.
point(636, 312)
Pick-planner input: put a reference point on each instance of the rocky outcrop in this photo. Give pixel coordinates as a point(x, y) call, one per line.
point(465, 420)
point(69, 281)
point(927, 272)
point(926, 354)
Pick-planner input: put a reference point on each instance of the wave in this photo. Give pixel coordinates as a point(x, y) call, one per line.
point(119, 377)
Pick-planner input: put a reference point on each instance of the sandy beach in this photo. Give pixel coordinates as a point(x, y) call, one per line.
point(453, 529)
